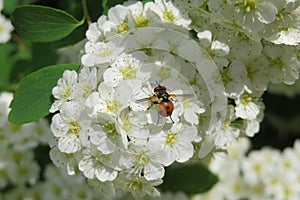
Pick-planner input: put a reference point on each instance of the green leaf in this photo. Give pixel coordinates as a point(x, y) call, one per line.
point(33, 98)
point(6, 61)
point(42, 55)
point(145, 1)
point(191, 179)
point(43, 24)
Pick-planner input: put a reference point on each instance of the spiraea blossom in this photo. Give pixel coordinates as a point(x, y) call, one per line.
point(261, 174)
point(167, 81)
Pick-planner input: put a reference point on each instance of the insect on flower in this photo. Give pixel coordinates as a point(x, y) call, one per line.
point(164, 100)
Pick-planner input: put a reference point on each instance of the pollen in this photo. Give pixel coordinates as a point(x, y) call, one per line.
point(164, 73)
point(66, 93)
point(113, 106)
point(128, 73)
point(105, 52)
point(126, 123)
point(141, 21)
point(136, 185)
point(246, 98)
point(74, 128)
point(110, 129)
point(86, 92)
point(15, 128)
point(225, 124)
point(169, 16)
point(123, 28)
point(257, 167)
point(250, 71)
point(247, 5)
point(186, 103)
point(141, 159)
point(171, 139)
point(225, 76)
point(277, 63)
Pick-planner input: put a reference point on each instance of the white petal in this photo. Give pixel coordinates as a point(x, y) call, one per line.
point(113, 76)
point(69, 143)
point(105, 174)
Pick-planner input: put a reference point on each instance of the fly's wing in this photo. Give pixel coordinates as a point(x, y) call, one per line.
point(143, 100)
point(175, 97)
point(207, 145)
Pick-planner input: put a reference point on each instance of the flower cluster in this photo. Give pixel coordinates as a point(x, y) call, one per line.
point(5, 26)
point(20, 167)
point(115, 123)
point(262, 174)
point(17, 163)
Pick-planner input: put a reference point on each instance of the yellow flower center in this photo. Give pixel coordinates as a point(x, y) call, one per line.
point(110, 129)
point(128, 73)
point(15, 128)
point(169, 16)
point(171, 139)
point(66, 93)
point(225, 76)
point(38, 130)
point(247, 5)
point(136, 185)
point(105, 52)
point(122, 28)
point(141, 159)
point(225, 124)
point(257, 167)
point(277, 62)
point(86, 92)
point(113, 106)
point(250, 71)
point(126, 123)
point(74, 128)
point(141, 21)
point(164, 73)
point(246, 98)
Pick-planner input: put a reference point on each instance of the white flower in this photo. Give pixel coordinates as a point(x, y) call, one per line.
point(61, 160)
point(177, 142)
point(100, 53)
point(105, 135)
point(145, 159)
point(245, 106)
point(225, 131)
point(64, 91)
point(121, 19)
point(133, 124)
point(22, 168)
point(283, 64)
point(94, 164)
point(168, 13)
point(127, 68)
point(108, 99)
point(70, 126)
point(254, 14)
point(252, 127)
point(5, 99)
point(5, 29)
point(189, 109)
point(138, 13)
point(87, 83)
point(96, 30)
point(138, 186)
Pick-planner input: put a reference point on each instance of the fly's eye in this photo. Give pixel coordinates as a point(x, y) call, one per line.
point(160, 89)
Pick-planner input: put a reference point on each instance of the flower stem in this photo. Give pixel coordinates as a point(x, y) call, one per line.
point(86, 12)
